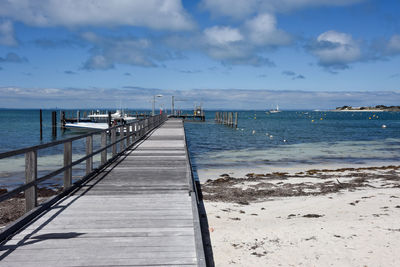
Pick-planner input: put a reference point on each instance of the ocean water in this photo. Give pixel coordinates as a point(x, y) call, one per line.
point(305, 139)
point(280, 140)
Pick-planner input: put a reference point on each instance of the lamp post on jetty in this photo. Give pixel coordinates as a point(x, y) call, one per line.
point(154, 103)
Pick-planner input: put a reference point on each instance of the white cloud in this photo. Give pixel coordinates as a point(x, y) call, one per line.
point(236, 8)
point(221, 36)
point(155, 14)
point(230, 47)
point(7, 34)
point(394, 44)
point(108, 51)
point(246, 44)
point(13, 58)
point(336, 49)
point(212, 98)
point(262, 30)
point(243, 8)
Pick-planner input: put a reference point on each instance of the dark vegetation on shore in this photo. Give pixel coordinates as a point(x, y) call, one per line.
point(13, 208)
point(260, 187)
point(378, 107)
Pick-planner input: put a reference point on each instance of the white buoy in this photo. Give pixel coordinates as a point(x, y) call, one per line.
point(284, 140)
point(383, 126)
point(254, 131)
point(271, 136)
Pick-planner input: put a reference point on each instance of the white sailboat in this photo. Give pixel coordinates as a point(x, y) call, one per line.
point(275, 110)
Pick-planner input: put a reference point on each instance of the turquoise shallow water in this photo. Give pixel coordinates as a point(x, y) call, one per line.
point(296, 138)
point(282, 139)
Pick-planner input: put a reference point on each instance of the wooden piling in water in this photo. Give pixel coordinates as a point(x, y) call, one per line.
point(227, 118)
point(62, 121)
point(41, 124)
point(54, 123)
point(109, 119)
point(236, 119)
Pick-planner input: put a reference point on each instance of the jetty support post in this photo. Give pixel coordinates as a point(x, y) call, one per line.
point(30, 176)
point(54, 123)
point(103, 145)
point(67, 161)
point(89, 150)
point(41, 123)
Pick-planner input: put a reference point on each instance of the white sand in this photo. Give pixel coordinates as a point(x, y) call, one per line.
point(275, 233)
point(363, 234)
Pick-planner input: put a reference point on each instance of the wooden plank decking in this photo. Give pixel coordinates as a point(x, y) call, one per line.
point(137, 212)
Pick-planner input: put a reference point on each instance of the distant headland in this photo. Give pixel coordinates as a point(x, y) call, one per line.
point(372, 109)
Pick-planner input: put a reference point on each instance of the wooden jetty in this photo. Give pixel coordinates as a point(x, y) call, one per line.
point(198, 115)
point(140, 209)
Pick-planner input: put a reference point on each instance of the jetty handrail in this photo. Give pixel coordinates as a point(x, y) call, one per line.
point(139, 129)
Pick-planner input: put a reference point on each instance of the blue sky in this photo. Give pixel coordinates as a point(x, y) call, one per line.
point(249, 54)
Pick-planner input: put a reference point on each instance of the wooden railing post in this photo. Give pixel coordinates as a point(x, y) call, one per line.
point(113, 139)
point(128, 135)
point(121, 139)
point(136, 131)
point(142, 128)
point(30, 176)
point(89, 150)
point(67, 161)
point(103, 145)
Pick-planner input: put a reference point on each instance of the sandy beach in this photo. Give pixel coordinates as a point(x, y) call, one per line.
point(335, 217)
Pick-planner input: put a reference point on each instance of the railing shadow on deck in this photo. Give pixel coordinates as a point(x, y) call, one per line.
point(39, 238)
point(131, 134)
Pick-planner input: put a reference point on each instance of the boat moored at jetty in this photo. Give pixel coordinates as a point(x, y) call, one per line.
point(99, 121)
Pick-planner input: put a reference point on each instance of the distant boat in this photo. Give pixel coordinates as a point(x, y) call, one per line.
point(275, 110)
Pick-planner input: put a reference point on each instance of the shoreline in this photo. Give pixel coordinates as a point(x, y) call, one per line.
point(214, 173)
point(335, 217)
point(364, 110)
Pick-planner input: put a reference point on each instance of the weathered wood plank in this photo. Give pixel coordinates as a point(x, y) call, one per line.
point(138, 211)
